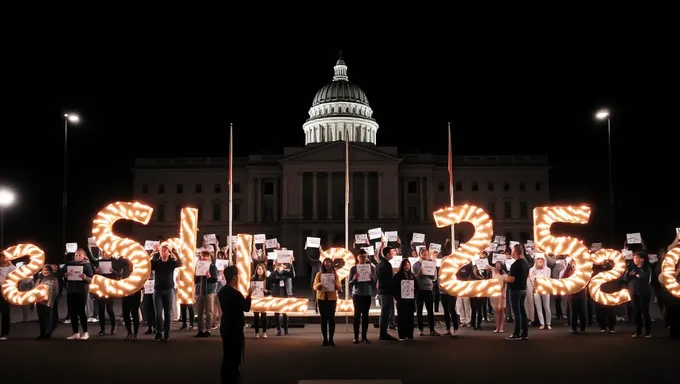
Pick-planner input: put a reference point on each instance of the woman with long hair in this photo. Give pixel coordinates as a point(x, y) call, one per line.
point(327, 285)
point(498, 303)
point(260, 318)
point(78, 275)
point(44, 308)
point(405, 283)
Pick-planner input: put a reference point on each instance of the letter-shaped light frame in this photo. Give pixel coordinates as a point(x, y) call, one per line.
point(466, 252)
point(187, 253)
point(667, 276)
point(342, 306)
point(261, 304)
point(544, 218)
point(595, 285)
point(10, 288)
point(102, 229)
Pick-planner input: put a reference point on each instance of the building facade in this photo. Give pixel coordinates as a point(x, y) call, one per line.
point(301, 192)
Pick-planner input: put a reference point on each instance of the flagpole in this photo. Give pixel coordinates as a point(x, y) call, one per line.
point(450, 166)
point(231, 190)
point(347, 216)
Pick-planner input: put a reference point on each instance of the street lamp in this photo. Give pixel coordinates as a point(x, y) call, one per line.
point(603, 114)
point(72, 118)
point(7, 198)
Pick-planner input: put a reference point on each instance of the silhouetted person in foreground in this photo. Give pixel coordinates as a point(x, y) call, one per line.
point(233, 305)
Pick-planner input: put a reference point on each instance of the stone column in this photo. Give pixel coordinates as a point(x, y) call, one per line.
point(395, 193)
point(380, 196)
point(330, 196)
point(301, 195)
point(365, 195)
point(404, 191)
point(284, 196)
point(251, 199)
point(315, 198)
point(275, 213)
point(259, 200)
point(430, 198)
point(422, 198)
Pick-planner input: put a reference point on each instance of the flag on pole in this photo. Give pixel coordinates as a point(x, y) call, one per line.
point(450, 166)
point(231, 190)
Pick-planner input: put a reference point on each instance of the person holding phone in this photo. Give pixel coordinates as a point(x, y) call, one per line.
point(164, 285)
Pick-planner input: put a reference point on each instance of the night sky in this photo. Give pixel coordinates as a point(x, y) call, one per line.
point(503, 96)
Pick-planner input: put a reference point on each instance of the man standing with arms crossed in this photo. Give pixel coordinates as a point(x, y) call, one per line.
point(385, 291)
point(233, 306)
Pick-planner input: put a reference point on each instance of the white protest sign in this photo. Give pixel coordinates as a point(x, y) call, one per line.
point(418, 237)
point(627, 254)
point(530, 243)
point(396, 262)
point(677, 232)
point(105, 267)
point(284, 256)
point(73, 272)
point(499, 257)
point(482, 264)
point(435, 247)
point(439, 262)
point(210, 239)
point(71, 247)
point(364, 272)
point(508, 263)
point(513, 243)
point(375, 233)
point(259, 238)
point(271, 243)
point(258, 288)
point(91, 243)
point(313, 242)
point(491, 247)
point(652, 258)
point(148, 287)
point(328, 282)
point(378, 245)
point(407, 289)
point(596, 247)
point(221, 264)
point(429, 268)
point(202, 267)
point(149, 244)
point(271, 255)
point(392, 236)
point(633, 238)
point(369, 251)
point(361, 238)
point(499, 240)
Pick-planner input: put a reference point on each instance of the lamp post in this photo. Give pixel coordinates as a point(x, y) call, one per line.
point(7, 198)
point(73, 118)
point(603, 114)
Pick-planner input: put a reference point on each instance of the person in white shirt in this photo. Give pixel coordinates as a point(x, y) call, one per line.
point(542, 301)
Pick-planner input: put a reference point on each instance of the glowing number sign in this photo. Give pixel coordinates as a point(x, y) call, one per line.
point(667, 276)
point(466, 251)
point(10, 288)
point(187, 253)
point(616, 298)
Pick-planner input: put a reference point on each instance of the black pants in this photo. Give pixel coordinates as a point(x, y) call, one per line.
point(405, 309)
point(45, 319)
point(55, 313)
point(106, 305)
point(606, 318)
point(281, 324)
point(477, 307)
point(558, 306)
point(75, 302)
point(149, 311)
point(450, 315)
point(641, 308)
point(233, 347)
point(426, 298)
point(362, 304)
point(578, 313)
point(327, 313)
point(590, 309)
point(162, 300)
point(673, 319)
point(131, 312)
point(260, 320)
point(4, 316)
point(386, 313)
point(437, 297)
point(183, 314)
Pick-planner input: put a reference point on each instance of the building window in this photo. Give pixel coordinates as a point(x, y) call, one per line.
point(161, 189)
point(492, 209)
point(269, 188)
point(200, 211)
point(522, 186)
point(459, 186)
point(217, 212)
point(199, 188)
point(218, 188)
point(412, 214)
point(161, 213)
point(412, 187)
point(506, 186)
point(538, 186)
point(475, 186)
point(236, 213)
point(441, 187)
point(145, 189)
point(507, 210)
point(237, 188)
point(490, 186)
point(178, 212)
point(523, 210)
point(180, 188)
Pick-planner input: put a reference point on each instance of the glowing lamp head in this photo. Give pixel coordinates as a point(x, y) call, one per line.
point(7, 198)
point(602, 114)
point(71, 117)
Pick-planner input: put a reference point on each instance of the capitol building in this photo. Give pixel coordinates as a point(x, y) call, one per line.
point(300, 192)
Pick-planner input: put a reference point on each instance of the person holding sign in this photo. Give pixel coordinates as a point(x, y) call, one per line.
point(282, 278)
point(6, 267)
point(259, 288)
point(233, 306)
point(131, 303)
point(109, 268)
point(164, 285)
point(639, 279)
point(542, 301)
point(425, 270)
point(405, 292)
point(44, 308)
point(386, 291)
point(327, 285)
point(78, 275)
point(206, 284)
point(362, 284)
point(517, 284)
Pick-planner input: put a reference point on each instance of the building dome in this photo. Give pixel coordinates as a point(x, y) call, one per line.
point(340, 108)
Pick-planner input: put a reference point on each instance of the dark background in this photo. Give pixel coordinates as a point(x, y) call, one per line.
point(526, 92)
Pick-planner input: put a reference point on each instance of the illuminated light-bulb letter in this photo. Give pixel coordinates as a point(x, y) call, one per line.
point(187, 253)
point(10, 288)
point(267, 303)
point(544, 241)
point(616, 298)
point(667, 277)
point(107, 241)
point(466, 252)
point(348, 262)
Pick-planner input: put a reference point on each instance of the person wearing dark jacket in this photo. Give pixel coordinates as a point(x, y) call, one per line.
point(44, 308)
point(577, 303)
point(313, 255)
point(282, 286)
point(78, 275)
point(233, 320)
point(205, 296)
point(405, 305)
point(639, 286)
point(111, 269)
point(386, 291)
point(605, 314)
point(164, 283)
point(130, 303)
point(363, 288)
